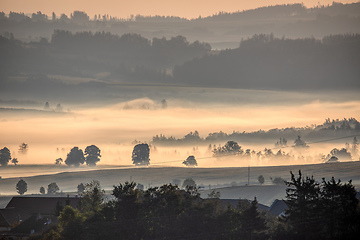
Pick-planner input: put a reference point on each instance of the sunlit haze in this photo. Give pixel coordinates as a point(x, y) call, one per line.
point(114, 128)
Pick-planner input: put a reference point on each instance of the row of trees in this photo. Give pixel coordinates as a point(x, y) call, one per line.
point(141, 153)
point(327, 210)
point(5, 154)
point(77, 17)
point(5, 157)
point(141, 156)
point(76, 156)
point(285, 10)
point(328, 129)
point(22, 187)
point(233, 149)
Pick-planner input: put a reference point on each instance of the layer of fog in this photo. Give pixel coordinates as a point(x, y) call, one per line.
point(114, 127)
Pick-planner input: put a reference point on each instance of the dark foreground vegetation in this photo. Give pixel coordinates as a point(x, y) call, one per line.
point(326, 210)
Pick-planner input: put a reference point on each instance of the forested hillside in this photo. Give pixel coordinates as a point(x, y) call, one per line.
point(266, 62)
point(261, 62)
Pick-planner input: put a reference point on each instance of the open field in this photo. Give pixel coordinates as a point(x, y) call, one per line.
point(229, 181)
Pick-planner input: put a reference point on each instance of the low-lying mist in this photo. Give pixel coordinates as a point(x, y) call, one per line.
point(115, 127)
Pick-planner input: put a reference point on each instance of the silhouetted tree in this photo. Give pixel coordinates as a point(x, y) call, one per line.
point(64, 17)
point(5, 156)
point(261, 179)
point(302, 199)
point(39, 17)
point(71, 223)
point(299, 143)
point(21, 187)
point(53, 188)
point(281, 143)
point(190, 161)
point(214, 194)
point(47, 106)
point(23, 148)
point(140, 186)
point(355, 147)
point(164, 103)
point(140, 154)
point(14, 161)
point(278, 181)
point(92, 154)
point(341, 154)
point(231, 148)
point(42, 190)
point(80, 188)
point(339, 214)
point(322, 211)
point(189, 182)
point(92, 197)
point(79, 17)
point(59, 108)
point(253, 225)
point(192, 137)
point(75, 157)
point(58, 161)
point(127, 208)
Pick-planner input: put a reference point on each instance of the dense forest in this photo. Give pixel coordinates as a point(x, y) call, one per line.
point(86, 54)
point(261, 62)
point(266, 62)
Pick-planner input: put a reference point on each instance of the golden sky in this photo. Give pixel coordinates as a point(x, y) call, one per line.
point(123, 9)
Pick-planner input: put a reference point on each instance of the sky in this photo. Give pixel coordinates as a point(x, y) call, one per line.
point(123, 9)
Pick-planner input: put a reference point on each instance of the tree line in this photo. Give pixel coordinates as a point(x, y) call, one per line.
point(326, 210)
point(261, 62)
point(22, 187)
point(232, 149)
point(329, 129)
point(284, 10)
point(129, 56)
point(266, 62)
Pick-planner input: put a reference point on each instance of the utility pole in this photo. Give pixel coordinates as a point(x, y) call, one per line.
point(248, 175)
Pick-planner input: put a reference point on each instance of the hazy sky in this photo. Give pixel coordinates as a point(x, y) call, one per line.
point(121, 8)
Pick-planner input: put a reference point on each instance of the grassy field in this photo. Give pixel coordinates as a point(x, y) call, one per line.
point(231, 182)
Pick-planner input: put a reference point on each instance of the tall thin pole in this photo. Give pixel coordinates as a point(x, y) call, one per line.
point(248, 175)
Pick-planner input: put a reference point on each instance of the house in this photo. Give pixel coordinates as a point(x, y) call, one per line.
point(9, 217)
point(43, 206)
point(25, 215)
point(278, 208)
